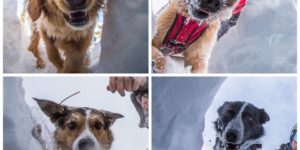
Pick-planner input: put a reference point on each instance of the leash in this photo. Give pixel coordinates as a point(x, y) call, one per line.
point(69, 97)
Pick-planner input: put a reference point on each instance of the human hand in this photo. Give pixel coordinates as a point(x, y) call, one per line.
point(122, 84)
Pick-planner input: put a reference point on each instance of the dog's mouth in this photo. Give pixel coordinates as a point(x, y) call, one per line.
point(199, 13)
point(230, 146)
point(77, 18)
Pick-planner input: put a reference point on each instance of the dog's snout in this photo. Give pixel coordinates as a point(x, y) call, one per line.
point(212, 5)
point(76, 3)
point(232, 136)
point(86, 144)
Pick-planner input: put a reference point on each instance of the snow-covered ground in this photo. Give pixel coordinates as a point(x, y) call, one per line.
point(16, 35)
point(264, 41)
point(127, 134)
point(177, 115)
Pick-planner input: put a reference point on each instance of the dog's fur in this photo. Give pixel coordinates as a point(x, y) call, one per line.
point(49, 23)
point(197, 54)
point(239, 126)
point(78, 128)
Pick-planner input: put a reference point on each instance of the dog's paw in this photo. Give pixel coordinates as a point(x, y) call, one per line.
point(36, 131)
point(160, 64)
point(40, 64)
point(196, 66)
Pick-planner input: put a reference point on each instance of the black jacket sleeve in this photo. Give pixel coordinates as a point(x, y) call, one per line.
point(226, 25)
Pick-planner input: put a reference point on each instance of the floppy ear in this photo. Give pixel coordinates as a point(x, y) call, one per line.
point(263, 116)
point(110, 118)
point(101, 3)
point(220, 109)
point(54, 111)
point(34, 9)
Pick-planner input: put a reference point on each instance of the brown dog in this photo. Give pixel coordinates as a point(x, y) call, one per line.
point(78, 128)
point(65, 25)
point(189, 29)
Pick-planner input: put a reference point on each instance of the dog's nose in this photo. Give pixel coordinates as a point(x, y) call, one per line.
point(232, 136)
point(212, 5)
point(85, 144)
point(76, 3)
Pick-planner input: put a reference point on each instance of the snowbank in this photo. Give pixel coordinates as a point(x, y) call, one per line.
point(276, 95)
point(178, 109)
point(16, 35)
point(178, 106)
point(17, 118)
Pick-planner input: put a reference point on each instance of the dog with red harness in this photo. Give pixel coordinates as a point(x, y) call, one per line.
point(190, 29)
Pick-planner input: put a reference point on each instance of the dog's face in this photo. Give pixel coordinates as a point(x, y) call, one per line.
point(238, 123)
point(78, 14)
point(207, 10)
point(80, 128)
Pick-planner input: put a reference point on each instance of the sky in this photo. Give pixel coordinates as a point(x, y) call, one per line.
point(93, 94)
point(277, 95)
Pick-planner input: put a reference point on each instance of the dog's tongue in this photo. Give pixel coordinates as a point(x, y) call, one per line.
point(78, 15)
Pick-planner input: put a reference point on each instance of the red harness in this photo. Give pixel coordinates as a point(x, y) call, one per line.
point(184, 32)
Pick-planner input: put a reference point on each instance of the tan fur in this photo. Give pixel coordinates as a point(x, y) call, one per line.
point(58, 35)
point(64, 118)
point(196, 55)
point(103, 135)
point(66, 137)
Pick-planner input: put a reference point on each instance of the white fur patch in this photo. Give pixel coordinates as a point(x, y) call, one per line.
point(87, 134)
point(236, 124)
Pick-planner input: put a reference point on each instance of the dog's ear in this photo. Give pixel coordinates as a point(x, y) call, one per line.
point(54, 111)
point(110, 118)
point(220, 109)
point(101, 3)
point(34, 9)
point(231, 3)
point(263, 116)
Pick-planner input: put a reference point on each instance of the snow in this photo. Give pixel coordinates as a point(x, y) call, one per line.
point(264, 41)
point(17, 117)
point(179, 105)
point(17, 59)
point(178, 109)
point(21, 113)
point(277, 95)
point(127, 134)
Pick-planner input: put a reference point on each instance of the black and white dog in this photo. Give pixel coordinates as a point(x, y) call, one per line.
point(239, 126)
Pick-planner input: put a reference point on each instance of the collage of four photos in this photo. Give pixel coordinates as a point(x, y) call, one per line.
point(150, 74)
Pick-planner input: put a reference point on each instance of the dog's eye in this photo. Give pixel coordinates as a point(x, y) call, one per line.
point(72, 125)
point(249, 118)
point(98, 126)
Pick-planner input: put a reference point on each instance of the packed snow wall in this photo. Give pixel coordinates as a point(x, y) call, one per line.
point(17, 118)
point(178, 109)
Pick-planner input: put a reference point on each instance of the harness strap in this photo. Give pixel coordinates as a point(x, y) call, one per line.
point(185, 32)
point(182, 33)
point(239, 7)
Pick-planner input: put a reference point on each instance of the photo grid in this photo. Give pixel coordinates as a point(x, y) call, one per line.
point(149, 74)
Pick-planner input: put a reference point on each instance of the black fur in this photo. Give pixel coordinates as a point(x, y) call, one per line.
point(252, 117)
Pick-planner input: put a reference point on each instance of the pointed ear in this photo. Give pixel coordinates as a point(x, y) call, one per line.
point(110, 118)
point(54, 111)
point(34, 9)
point(263, 116)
